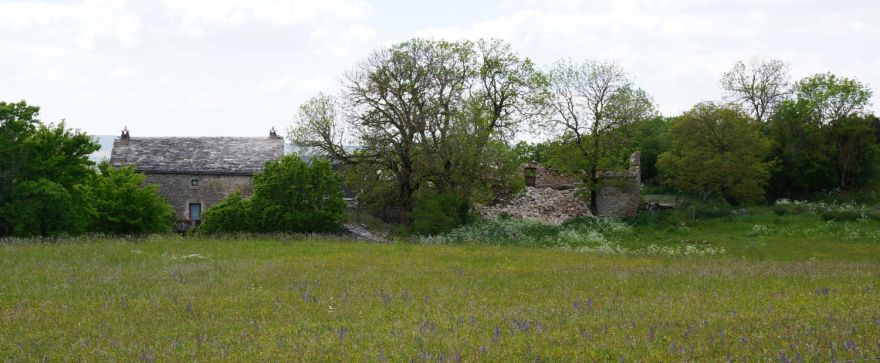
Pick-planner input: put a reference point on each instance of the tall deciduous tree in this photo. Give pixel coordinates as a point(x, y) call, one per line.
point(40, 166)
point(587, 102)
point(718, 149)
point(802, 152)
point(832, 97)
point(824, 139)
point(759, 86)
point(422, 113)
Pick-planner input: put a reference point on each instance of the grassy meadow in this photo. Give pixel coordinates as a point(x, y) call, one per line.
point(189, 299)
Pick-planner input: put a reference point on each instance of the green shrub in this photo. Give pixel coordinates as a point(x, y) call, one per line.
point(289, 196)
point(843, 215)
point(232, 214)
point(438, 213)
point(292, 196)
point(122, 204)
point(782, 209)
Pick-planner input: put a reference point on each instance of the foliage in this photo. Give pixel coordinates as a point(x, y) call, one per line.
point(652, 140)
point(232, 214)
point(425, 115)
point(799, 144)
point(122, 204)
point(853, 141)
point(40, 167)
point(438, 213)
point(17, 122)
point(824, 139)
point(45, 208)
point(717, 149)
point(593, 105)
point(833, 98)
point(289, 196)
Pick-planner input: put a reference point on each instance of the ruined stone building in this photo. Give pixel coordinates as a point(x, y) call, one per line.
point(552, 197)
point(194, 173)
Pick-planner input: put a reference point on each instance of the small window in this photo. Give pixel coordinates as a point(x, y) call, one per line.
point(194, 182)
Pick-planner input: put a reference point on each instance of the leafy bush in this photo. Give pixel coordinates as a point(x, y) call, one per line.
point(438, 213)
point(45, 208)
point(233, 214)
point(782, 209)
point(122, 204)
point(843, 215)
point(289, 196)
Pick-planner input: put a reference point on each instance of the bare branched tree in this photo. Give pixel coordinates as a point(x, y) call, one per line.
point(587, 101)
point(759, 86)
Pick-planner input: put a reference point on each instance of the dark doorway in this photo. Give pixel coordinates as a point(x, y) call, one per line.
point(195, 212)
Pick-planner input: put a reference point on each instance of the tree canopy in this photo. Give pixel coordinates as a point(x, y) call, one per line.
point(423, 114)
point(718, 149)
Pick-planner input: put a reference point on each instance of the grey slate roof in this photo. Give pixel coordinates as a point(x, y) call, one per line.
point(197, 155)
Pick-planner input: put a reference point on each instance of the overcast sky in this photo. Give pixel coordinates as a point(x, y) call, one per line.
point(239, 67)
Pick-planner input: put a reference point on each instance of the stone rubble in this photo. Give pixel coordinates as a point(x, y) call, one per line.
point(362, 232)
point(547, 205)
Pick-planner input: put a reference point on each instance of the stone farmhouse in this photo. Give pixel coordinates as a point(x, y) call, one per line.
point(194, 173)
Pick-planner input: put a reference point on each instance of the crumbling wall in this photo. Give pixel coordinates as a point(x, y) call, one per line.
point(552, 197)
point(547, 205)
point(540, 176)
point(619, 192)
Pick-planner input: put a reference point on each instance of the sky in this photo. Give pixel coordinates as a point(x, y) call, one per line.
point(240, 67)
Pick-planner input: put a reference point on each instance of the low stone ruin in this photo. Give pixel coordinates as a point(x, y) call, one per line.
point(546, 204)
point(553, 197)
point(619, 193)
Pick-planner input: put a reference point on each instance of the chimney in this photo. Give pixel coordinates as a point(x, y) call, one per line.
point(125, 135)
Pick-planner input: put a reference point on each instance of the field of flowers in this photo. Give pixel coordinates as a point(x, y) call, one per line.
point(286, 299)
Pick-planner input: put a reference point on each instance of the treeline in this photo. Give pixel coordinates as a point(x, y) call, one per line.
point(434, 124)
point(49, 187)
point(423, 130)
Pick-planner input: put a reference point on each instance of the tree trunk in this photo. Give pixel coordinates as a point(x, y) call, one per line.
point(725, 193)
point(594, 173)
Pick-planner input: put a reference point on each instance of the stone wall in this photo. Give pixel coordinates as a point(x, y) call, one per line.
point(540, 176)
point(178, 190)
point(619, 191)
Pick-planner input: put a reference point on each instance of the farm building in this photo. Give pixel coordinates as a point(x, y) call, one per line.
point(194, 173)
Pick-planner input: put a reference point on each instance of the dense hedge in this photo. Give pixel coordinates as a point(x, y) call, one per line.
point(289, 196)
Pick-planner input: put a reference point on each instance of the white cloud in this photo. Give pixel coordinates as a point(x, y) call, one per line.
point(677, 50)
point(341, 41)
point(296, 84)
point(196, 15)
point(125, 73)
point(87, 21)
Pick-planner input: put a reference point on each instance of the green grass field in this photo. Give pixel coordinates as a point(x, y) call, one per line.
point(317, 300)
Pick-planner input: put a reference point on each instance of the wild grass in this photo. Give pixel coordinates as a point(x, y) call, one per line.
point(310, 299)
